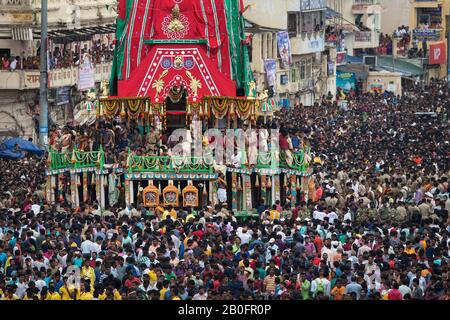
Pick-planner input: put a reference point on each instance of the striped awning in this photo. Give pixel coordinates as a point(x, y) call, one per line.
point(22, 33)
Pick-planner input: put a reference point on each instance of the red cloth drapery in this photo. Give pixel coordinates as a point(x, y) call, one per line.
point(150, 19)
point(157, 74)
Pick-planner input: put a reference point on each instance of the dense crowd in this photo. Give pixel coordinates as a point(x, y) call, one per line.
point(373, 225)
point(62, 56)
point(99, 52)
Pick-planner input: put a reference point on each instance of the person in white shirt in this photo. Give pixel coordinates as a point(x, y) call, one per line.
point(97, 245)
point(21, 287)
point(36, 208)
point(13, 64)
point(244, 235)
point(319, 215)
point(222, 194)
point(364, 248)
point(62, 258)
point(332, 216)
point(147, 285)
point(236, 159)
point(404, 289)
point(348, 216)
point(86, 247)
point(201, 295)
point(40, 284)
point(328, 250)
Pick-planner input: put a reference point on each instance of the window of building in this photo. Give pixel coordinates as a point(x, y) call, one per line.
point(302, 69)
point(308, 68)
point(293, 75)
point(307, 22)
point(263, 53)
point(5, 53)
point(312, 21)
point(305, 68)
point(292, 23)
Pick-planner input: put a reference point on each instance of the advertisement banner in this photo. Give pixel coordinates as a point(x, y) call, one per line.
point(341, 57)
point(284, 49)
point(330, 68)
point(428, 34)
point(270, 66)
point(346, 81)
point(437, 53)
point(86, 76)
point(62, 96)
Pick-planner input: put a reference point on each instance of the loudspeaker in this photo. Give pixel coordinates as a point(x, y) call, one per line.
point(240, 92)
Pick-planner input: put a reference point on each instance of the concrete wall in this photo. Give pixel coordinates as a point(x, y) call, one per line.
point(271, 14)
point(13, 112)
point(18, 47)
point(395, 14)
point(61, 14)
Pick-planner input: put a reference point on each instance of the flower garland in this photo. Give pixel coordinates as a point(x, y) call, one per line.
point(243, 108)
point(219, 106)
point(135, 107)
point(110, 107)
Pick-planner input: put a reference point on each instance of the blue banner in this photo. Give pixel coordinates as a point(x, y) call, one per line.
point(346, 81)
point(270, 66)
point(284, 49)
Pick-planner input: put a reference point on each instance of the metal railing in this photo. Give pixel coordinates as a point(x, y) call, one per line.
point(363, 36)
point(76, 159)
point(168, 164)
point(270, 160)
point(366, 2)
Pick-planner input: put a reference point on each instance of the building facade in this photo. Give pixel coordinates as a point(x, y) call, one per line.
point(359, 23)
point(429, 22)
point(72, 26)
point(311, 72)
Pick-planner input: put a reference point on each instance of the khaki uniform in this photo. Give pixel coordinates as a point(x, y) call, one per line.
point(303, 213)
point(385, 214)
point(365, 201)
point(425, 210)
point(401, 215)
point(372, 213)
point(331, 201)
point(362, 216)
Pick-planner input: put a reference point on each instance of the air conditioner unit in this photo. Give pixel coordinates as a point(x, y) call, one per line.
point(370, 60)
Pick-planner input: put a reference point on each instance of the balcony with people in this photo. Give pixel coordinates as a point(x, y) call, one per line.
point(19, 72)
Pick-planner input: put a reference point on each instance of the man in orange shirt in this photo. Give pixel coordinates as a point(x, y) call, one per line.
point(338, 291)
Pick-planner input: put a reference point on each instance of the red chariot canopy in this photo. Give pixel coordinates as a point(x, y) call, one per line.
point(150, 22)
point(168, 66)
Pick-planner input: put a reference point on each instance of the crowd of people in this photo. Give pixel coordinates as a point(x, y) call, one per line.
point(373, 225)
point(65, 57)
point(62, 56)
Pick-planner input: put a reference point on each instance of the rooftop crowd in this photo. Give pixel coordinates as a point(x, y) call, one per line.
point(373, 225)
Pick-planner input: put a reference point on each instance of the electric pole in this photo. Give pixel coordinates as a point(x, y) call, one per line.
point(43, 103)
